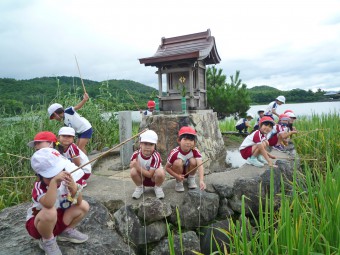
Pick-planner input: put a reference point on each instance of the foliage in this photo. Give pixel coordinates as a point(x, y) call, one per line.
point(226, 98)
point(18, 95)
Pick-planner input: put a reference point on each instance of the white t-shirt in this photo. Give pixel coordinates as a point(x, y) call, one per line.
point(74, 120)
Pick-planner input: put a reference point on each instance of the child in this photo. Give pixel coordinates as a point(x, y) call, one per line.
point(71, 118)
point(184, 158)
point(292, 119)
point(261, 114)
point(44, 139)
point(271, 108)
point(244, 123)
point(280, 133)
point(253, 148)
point(57, 203)
point(72, 152)
point(146, 167)
point(151, 108)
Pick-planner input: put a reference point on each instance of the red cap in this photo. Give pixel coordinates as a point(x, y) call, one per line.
point(267, 119)
point(151, 104)
point(284, 117)
point(187, 130)
point(44, 136)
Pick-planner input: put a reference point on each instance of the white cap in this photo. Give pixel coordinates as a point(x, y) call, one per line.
point(67, 131)
point(53, 108)
point(290, 114)
point(48, 162)
point(149, 136)
point(250, 115)
point(281, 99)
point(261, 110)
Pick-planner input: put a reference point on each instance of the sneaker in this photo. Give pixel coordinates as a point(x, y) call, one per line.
point(83, 183)
point(191, 182)
point(72, 235)
point(50, 247)
point(138, 192)
point(254, 162)
point(179, 186)
point(261, 159)
point(159, 192)
point(279, 148)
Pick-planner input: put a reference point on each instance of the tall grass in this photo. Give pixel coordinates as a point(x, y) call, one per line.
point(308, 218)
point(17, 131)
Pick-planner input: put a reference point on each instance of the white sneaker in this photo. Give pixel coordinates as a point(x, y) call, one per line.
point(179, 186)
point(254, 162)
point(138, 192)
point(191, 182)
point(262, 159)
point(159, 192)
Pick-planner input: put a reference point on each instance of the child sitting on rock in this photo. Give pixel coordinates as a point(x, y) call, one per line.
point(72, 152)
point(57, 203)
point(44, 139)
point(185, 158)
point(261, 114)
point(145, 166)
point(244, 123)
point(253, 148)
point(280, 133)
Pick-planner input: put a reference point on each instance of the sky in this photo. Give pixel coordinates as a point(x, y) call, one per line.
point(286, 44)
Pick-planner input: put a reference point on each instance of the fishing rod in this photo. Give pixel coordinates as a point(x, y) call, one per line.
point(133, 100)
point(197, 166)
point(101, 155)
point(106, 152)
point(18, 156)
point(82, 82)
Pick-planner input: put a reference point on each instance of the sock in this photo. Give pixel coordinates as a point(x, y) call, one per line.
point(48, 239)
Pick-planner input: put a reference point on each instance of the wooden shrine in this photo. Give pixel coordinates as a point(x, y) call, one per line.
point(181, 62)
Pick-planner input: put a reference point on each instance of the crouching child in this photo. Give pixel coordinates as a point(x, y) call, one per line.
point(57, 203)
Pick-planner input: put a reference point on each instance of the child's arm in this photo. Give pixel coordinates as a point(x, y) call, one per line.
point(135, 164)
point(49, 199)
point(201, 173)
point(82, 102)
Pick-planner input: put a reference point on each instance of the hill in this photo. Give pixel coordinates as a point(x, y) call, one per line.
point(16, 95)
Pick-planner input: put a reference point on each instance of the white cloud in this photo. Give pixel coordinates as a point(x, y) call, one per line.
point(285, 44)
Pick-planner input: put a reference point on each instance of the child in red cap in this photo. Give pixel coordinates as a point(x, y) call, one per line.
point(184, 158)
point(151, 107)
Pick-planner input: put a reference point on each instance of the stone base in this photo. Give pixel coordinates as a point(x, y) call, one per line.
point(209, 137)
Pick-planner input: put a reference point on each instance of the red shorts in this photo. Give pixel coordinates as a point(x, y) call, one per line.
point(247, 152)
point(58, 228)
point(148, 182)
point(273, 140)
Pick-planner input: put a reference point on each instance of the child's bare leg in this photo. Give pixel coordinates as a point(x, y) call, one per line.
point(192, 165)
point(81, 142)
point(136, 176)
point(177, 167)
point(159, 176)
point(75, 214)
point(279, 139)
point(45, 222)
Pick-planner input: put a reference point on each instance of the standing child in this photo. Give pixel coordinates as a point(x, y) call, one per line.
point(151, 107)
point(71, 151)
point(57, 203)
point(184, 158)
point(271, 108)
point(146, 167)
point(244, 123)
point(253, 148)
point(260, 113)
point(71, 118)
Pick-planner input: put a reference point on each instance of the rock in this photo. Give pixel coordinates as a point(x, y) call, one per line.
point(154, 209)
point(102, 239)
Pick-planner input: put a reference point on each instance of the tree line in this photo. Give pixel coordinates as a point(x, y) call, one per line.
point(226, 96)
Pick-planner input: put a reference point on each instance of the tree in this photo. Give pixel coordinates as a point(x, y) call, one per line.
point(226, 98)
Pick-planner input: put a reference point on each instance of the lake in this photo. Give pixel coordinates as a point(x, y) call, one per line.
point(306, 109)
